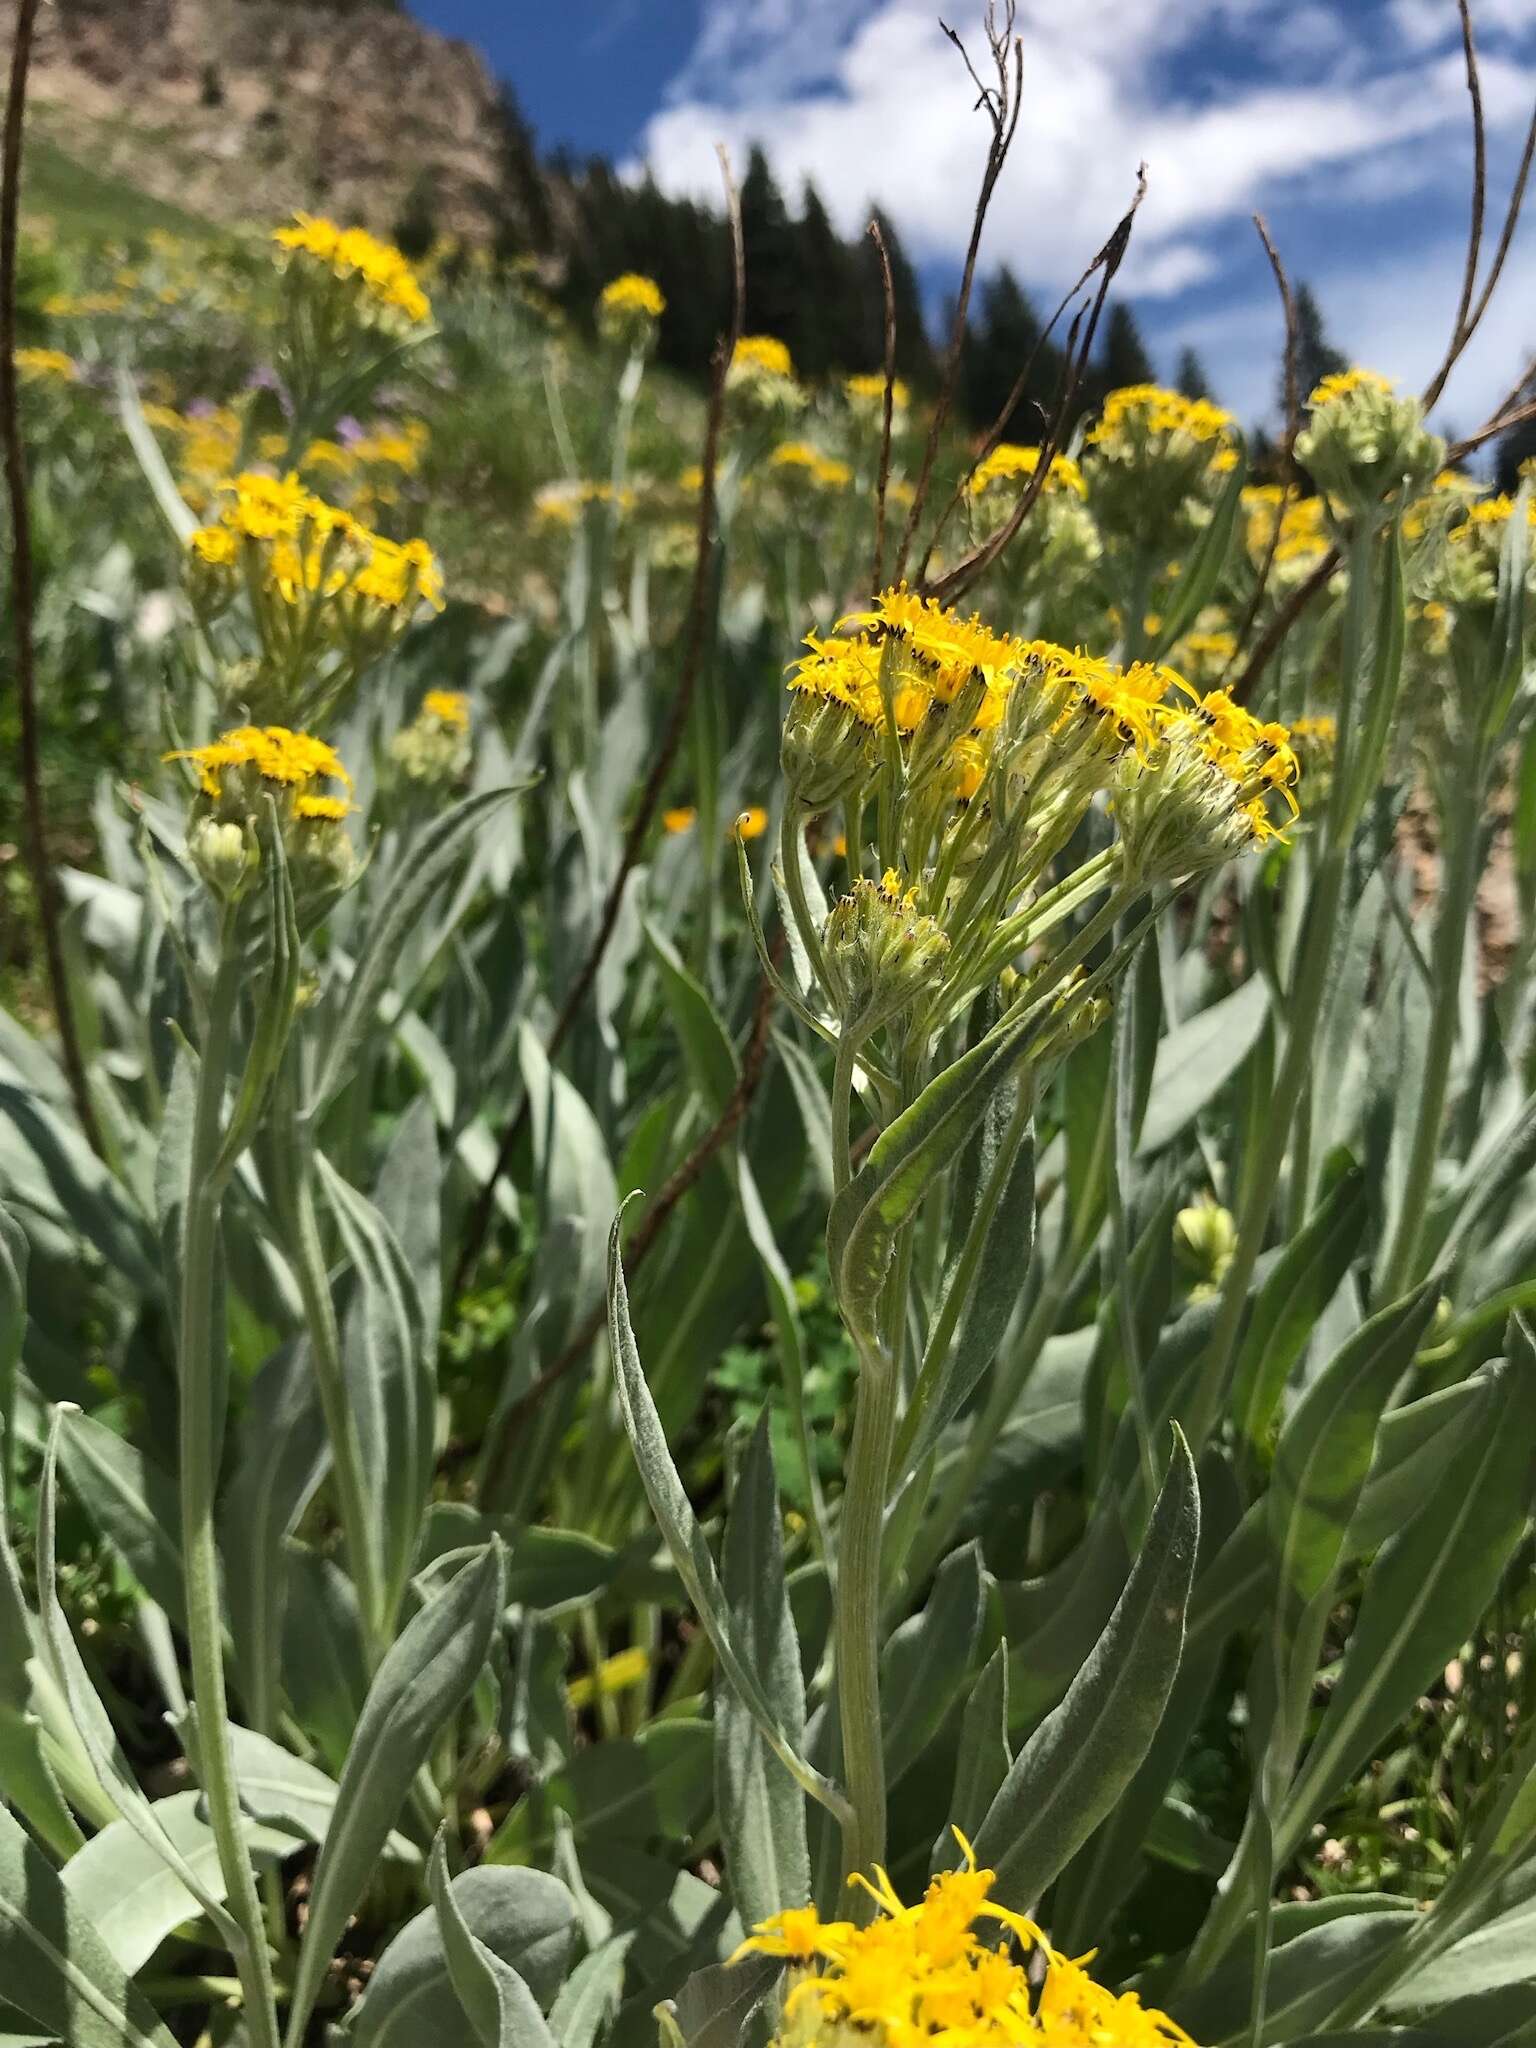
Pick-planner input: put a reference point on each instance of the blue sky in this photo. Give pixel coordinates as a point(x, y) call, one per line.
point(1343, 120)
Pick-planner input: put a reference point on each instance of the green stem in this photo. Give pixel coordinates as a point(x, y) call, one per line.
point(201, 1433)
point(858, 1610)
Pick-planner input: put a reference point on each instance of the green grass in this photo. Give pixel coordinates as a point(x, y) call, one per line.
point(87, 203)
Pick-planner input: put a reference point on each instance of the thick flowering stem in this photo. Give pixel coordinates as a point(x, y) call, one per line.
point(201, 1433)
point(858, 1609)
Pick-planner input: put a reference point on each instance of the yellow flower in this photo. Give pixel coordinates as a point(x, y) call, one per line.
point(753, 822)
point(868, 388)
point(764, 355)
point(326, 808)
point(949, 647)
point(288, 760)
point(679, 820)
point(352, 253)
point(449, 707)
point(1009, 461)
point(951, 1969)
point(46, 362)
point(820, 469)
point(633, 293)
point(620, 1673)
point(1155, 410)
point(1342, 382)
point(309, 545)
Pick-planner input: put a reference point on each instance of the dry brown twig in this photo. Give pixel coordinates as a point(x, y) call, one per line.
point(665, 752)
point(23, 588)
point(1106, 263)
point(1471, 306)
point(1003, 103)
point(888, 406)
point(1287, 446)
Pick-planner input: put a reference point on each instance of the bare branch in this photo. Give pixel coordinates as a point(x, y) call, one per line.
point(1288, 447)
point(23, 589)
point(1460, 330)
point(1107, 263)
point(1003, 105)
point(671, 738)
point(877, 578)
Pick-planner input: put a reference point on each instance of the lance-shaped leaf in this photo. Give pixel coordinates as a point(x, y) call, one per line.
point(1069, 1774)
point(1296, 1291)
point(929, 1658)
point(27, 1779)
point(132, 1503)
point(983, 1762)
point(589, 1999)
point(1425, 1592)
point(1195, 1061)
point(523, 1916)
point(425, 1678)
point(1326, 1449)
point(762, 1809)
point(132, 1899)
point(54, 1967)
point(67, 1669)
point(284, 1453)
point(432, 859)
point(684, 1538)
point(13, 1324)
point(391, 1380)
point(715, 2004)
point(497, 2003)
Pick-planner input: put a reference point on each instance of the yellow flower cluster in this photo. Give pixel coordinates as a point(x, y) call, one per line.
point(1304, 533)
point(824, 470)
point(1342, 382)
point(291, 761)
point(1008, 462)
point(559, 503)
point(83, 305)
point(948, 1970)
point(449, 707)
point(632, 294)
point(46, 363)
point(1150, 409)
point(352, 253)
point(312, 546)
point(762, 355)
point(913, 659)
point(868, 388)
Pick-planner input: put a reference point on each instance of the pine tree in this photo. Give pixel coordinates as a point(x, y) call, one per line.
point(998, 347)
point(1123, 356)
point(823, 334)
point(524, 211)
point(1316, 357)
point(1190, 377)
point(768, 235)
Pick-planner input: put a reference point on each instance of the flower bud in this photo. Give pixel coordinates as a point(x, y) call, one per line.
point(225, 855)
point(1362, 442)
point(883, 956)
point(1204, 1240)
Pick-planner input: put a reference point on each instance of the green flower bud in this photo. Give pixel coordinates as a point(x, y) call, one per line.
point(1362, 442)
point(224, 854)
point(883, 956)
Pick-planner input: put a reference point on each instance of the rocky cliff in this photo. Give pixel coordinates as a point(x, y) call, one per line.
point(248, 108)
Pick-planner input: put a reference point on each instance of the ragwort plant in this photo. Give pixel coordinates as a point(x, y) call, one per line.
point(1169, 1161)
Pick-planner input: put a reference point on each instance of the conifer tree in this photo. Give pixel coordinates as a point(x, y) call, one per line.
point(1190, 378)
point(1123, 357)
point(1316, 356)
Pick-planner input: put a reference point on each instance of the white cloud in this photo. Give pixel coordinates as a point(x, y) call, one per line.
point(1393, 316)
point(872, 104)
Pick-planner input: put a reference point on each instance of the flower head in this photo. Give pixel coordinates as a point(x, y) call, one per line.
point(950, 1970)
point(866, 390)
point(1362, 441)
point(377, 269)
point(763, 356)
point(49, 363)
point(1008, 463)
point(628, 309)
